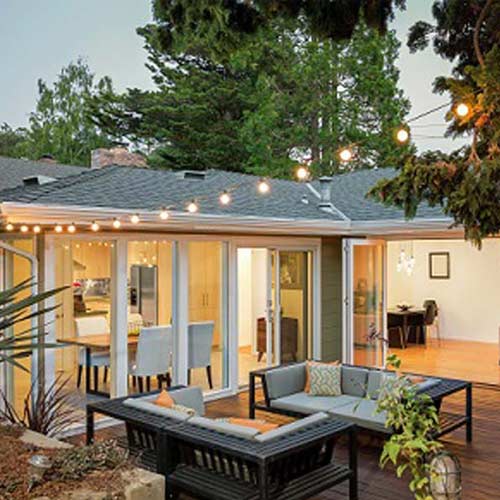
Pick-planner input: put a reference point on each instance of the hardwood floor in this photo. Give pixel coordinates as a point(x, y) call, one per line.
point(480, 459)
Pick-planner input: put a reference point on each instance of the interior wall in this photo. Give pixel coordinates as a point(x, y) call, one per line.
point(469, 302)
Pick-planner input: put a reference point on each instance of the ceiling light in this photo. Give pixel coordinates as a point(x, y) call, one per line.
point(24, 228)
point(135, 219)
point(9, 227)
point(225, 198)
point(263, 186)
point(36, 229)
point(192, 207)
point(116, 223)
point(346, 154)
point(402, 135)
point(462, 110)
point(164, 214)
point(302, 173)
point(58, 228)
point(71, 228)
point(94, 226)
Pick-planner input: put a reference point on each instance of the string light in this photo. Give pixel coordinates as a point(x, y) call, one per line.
point(9, 227)
point(24, 228)
point(225, 198)
point(164, 214)
point(192, 207)
point(37, 229)
point(72, 228)
point(94, 226)
point(116, 223)
point(135, 219)
point(263, 186)
point(402, 135)
point(462, 110)
point(302, 173)
point(58, 228)
point(345, 155)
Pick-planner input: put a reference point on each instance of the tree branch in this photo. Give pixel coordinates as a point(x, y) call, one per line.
point(477, 29)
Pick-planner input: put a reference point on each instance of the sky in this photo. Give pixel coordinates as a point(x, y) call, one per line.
point(39, 38)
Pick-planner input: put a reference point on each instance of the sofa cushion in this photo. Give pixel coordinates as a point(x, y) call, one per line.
point(376, 379)
point(304, 403)
point(354, 381)
point(325, 380)
point(427, 384)
point(147, 404)
point(293, 427)
point(225, 427)
point(192, 397)
point(286, 380)
point(363, 413)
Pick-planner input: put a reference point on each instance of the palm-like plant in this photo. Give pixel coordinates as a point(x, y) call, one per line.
point(14, 310)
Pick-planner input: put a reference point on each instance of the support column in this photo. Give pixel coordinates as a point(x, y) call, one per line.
point(119, 334)
point(180, 314)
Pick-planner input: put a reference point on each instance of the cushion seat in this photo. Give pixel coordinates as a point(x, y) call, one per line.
point(302, 402)
point(363, 413)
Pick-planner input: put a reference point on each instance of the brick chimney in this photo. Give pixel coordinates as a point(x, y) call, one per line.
point(119, 155)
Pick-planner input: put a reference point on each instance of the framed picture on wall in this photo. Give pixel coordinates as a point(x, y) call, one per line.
point(292, 270)
point(439, 265)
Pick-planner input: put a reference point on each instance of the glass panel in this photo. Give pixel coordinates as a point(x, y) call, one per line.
point(295, 320)
point(368, 305)
point(150, 305)
point(252, 313)
point(207, 329)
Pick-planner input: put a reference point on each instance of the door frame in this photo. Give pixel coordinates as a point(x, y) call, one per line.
point(348, 295)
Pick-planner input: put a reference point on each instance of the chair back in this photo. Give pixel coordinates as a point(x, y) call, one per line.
point(431, 311)
point(154, 351)
point(91, 325)
point(200, 338)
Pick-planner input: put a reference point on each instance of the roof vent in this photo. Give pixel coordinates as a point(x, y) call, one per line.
point(193, 174)
point(325, 184)
point(37, 180)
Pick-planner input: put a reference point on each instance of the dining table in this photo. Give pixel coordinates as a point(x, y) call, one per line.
point(101, 341)
point(404, 315)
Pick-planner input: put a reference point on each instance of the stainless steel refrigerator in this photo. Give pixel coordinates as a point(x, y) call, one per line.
point(144, 292)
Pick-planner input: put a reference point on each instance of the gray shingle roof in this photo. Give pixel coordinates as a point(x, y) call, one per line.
point(140, 189)
point(13, 171)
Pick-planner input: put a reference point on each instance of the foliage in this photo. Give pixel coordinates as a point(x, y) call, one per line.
point(49, 413)
point(217, 28)
point(12, 141)
point(14, 310)
point(465, 183)
point(283, 97)
point(60, 125)
point(414, 419)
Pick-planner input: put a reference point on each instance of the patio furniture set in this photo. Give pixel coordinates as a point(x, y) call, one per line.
point(221, 459)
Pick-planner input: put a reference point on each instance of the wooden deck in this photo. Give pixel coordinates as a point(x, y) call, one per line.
point(480, 459)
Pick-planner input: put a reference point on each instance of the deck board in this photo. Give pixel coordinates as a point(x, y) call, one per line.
point(480, 459)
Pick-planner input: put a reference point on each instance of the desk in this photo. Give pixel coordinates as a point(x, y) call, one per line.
point(89, 342)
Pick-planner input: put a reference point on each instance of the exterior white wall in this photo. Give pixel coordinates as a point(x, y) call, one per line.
point(469, 302)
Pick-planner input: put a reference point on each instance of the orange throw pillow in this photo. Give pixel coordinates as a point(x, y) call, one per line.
point(261, 425)
point(164, 399)
point(307, 386)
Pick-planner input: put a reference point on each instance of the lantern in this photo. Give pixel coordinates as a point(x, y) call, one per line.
point(445, 477)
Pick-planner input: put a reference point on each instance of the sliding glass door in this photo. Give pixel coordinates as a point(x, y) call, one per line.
point(364, 339)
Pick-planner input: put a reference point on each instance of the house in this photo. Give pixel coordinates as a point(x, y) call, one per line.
point(318, 262)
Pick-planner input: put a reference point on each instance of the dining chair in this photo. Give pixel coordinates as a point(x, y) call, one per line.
point(395, 324)
point(200, 339)
point(153, 357)
point(92, 325)
point(431, 318)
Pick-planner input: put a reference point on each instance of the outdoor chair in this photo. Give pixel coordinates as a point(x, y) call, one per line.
point(200, 338)
point(153, 356)
point(92, 325)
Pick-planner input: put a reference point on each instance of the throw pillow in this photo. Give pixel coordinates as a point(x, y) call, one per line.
point(326, 380)
point(261, 425)
point(164, 399)
point(184, 409)
point(307, 386)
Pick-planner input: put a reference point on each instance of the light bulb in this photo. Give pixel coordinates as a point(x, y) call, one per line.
point(302, 173)
point(9, 227)
point(94, 226)
point(462, 110)
point(71, 228)
point(264, 186)
point(24, 228)
point(116, 223)
point(402, 135)
point(345, 154)
point(134, 219)
point(192, 207)
point(225, 198)
point(58, 228)
point(36, 229)
point(164, 214)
